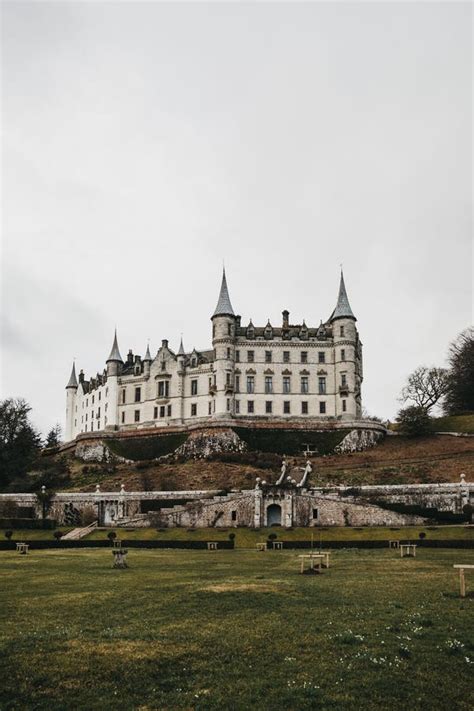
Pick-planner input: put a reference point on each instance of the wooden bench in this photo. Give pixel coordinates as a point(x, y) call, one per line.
point(211, 545)
point(407, 550)
point(462, 581)
point(261, 546)
point(394, 544)
point(22, 548)
point(314, 558)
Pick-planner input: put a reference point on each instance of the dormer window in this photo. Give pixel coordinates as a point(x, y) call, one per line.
point(137, 370)
point(193, 362)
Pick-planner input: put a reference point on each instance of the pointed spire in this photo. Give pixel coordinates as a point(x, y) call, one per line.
point(72, 380)
point(115, 353)
point(343, 308)
point(181, 348)
point(147, 354)
point(224, 307)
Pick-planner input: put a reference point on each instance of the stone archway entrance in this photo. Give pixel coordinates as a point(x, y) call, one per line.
point(274, 515)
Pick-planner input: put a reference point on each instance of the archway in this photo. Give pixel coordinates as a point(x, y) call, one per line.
point(274, 515)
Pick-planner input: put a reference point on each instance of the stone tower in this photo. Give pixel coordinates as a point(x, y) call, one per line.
point(223, 342)
point(114, 368)
point(71, 392)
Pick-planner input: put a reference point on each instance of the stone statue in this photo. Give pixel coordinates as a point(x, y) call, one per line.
point(282, 473)
point(306, 472)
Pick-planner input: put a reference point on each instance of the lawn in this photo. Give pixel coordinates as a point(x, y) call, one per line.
point(235, 630)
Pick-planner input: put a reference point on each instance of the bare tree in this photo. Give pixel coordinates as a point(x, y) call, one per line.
point(425, 387)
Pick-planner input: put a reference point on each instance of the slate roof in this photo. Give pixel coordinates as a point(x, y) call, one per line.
point(224, 307)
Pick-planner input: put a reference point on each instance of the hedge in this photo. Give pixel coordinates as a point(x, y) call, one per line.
point(380, 544)
point(48, 523)
point(290, 442)
point(138, 448)
point(47, 545)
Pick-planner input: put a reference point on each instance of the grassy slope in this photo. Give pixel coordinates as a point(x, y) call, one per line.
point(240, 630)
point(396, 461)
point(454, 423)
point(247, 538)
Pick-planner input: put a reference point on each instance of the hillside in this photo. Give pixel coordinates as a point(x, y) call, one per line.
point(396, 460)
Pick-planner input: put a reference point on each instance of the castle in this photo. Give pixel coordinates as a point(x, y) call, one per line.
point(290, 373)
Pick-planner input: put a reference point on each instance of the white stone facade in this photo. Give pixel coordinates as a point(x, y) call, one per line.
point(293, 372)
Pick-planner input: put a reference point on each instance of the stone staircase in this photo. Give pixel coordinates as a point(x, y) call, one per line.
point(77, 533)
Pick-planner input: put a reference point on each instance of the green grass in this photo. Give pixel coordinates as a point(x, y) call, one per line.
point(247, 537)
point(454, 423)
point(235, 630)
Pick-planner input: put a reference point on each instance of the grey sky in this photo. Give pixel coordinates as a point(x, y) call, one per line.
point(143, 143)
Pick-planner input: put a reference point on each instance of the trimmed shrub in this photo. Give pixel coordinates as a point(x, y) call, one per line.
point(231, 536)
point(8, 534)
point(58, 535)
point(111, 536)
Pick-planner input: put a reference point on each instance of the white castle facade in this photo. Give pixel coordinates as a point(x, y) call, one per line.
point(294, 373)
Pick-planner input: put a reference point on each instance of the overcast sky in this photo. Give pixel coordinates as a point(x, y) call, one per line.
point(145, 143)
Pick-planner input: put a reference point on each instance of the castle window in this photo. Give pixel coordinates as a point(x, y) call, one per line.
point(163, 365)
point(304, 356)
point(228, 354)
point(86, 416)
point(250, 407)
point(268, 356)
point(168, 412)
point(304, 407)
point(250, 356)
point(194, 361)
point(341, 330)
point(268, 407)
point(75, 423)
point(92, 414)
point(105, 421)
point(100, 394)
point(123, 397)
point(237, 356)
point(193, 409)
point(250, 384)
point(322, 408)
point(106, 392)
point(137, 416)
point(304, 384)
point(123, 418)
point(85, 429)
point(344, 405)
point(343, 379)
point(229, 329)
point(227, 378)
point(286, 384)
point(155, 413)
point(286, 407)
point(286, 356)
point(106, 406)
point(233, 515)
point(98, 412)
point(228, 404)
point(268, 384)
point(92, 426)
point(162, 410)
point(237, 383)
point(163, 388)
point(194, 387)
point(343, 354)
point(315, 513)
point(209, 407)
point(137, 370)
point(321, 357)
point(87, 403)
point(138, 394)
point(92, 399)
point(98, 424)
point(322, 385)
point(237, 407)
point(213, 330)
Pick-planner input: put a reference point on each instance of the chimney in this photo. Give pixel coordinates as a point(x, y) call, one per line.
point(164, 343)
point(81, 376)
point(130, 356)
point(286, 315)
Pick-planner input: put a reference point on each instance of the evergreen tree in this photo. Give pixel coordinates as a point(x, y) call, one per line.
point(19, 441)
point(460, 395)
point(53, 438)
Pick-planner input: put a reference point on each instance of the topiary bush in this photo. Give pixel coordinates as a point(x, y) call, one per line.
point(111, 536)
point(58, 535)
point(231, 536)
point(8, 535)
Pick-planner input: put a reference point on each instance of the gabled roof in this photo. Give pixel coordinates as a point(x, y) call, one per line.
point(115, 353)
point(72, 380)
point(224, 307)
point(343, 308)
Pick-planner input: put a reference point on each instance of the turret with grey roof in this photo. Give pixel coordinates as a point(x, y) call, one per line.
point(343, 308)
point(73, 380)
point(115, 353)
point(224, 306)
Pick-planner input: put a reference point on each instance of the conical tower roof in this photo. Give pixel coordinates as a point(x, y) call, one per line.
point(72, 380)
point(115, 353)
point(224, 307)
point(147, 354)
point(181, 348)
point(343, 308)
